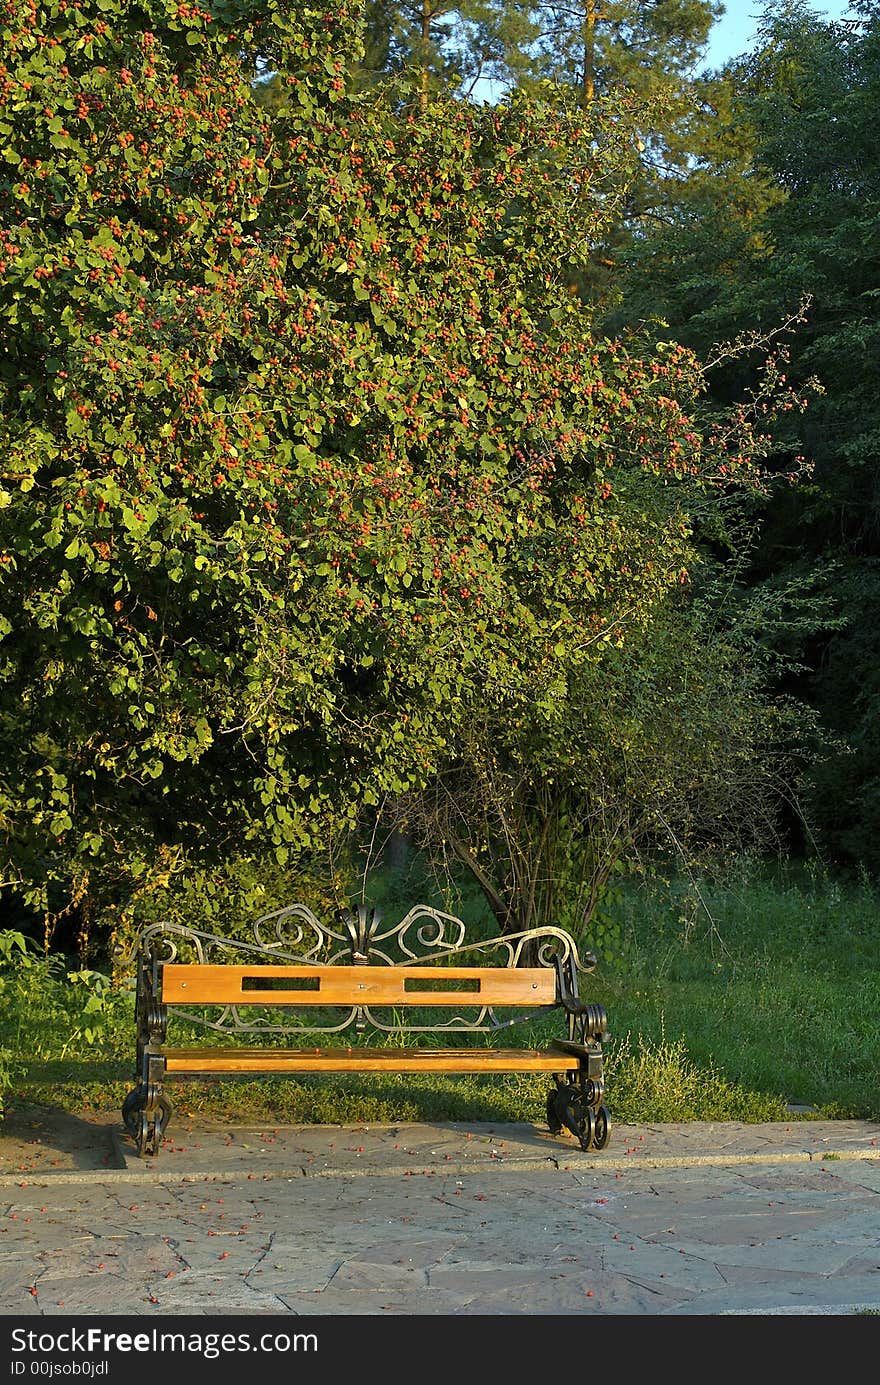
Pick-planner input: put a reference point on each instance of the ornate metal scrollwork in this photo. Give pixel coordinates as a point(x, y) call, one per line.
point(295, 935)
point(574, 1105)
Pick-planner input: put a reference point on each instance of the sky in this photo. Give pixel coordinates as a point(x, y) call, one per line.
point(735, 32)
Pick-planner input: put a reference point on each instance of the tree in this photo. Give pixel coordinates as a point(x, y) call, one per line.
point(804, 226)
point(597, 46)
point(673, 751)
point(653, 53)
point(307, 455)
point(592, 47)
point(448, 46)
point(649, 52)
point(673, 746)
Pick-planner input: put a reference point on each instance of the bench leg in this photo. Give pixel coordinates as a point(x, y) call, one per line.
point(575, 1106)
point(601, 1128)
point(145, 1115)
point(146, 1110)
point(554, 1121)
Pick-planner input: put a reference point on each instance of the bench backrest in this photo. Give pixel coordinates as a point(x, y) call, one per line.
point(299, 975)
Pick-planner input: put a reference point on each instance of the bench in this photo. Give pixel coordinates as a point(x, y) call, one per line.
point(392, 993)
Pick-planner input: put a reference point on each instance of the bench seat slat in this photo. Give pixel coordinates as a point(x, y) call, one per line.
point(356, 985)
point(206, 1060)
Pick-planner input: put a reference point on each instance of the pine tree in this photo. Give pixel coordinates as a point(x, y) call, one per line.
point(602, 45)
point(651, 54)
point(451, 45)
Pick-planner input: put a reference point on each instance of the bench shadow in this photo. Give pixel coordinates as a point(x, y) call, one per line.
point(36, 1139)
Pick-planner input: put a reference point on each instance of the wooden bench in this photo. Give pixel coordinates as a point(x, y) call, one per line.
point(392, 993)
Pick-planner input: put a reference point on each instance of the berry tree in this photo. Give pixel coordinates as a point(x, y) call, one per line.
point(306, 451)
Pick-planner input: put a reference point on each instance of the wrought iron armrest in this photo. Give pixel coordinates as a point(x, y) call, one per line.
point(566, 983)
point(572, 1006)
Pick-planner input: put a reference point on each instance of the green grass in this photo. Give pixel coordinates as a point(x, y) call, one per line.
point(771, 982)
point(726, 1001)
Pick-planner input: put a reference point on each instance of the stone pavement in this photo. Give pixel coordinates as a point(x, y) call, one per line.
point(440, 1220)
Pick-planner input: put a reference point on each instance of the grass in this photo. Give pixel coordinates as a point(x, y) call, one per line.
point(771, 981)
point(727, 1000)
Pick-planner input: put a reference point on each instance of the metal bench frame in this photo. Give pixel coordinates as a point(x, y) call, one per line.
point(356, 978)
